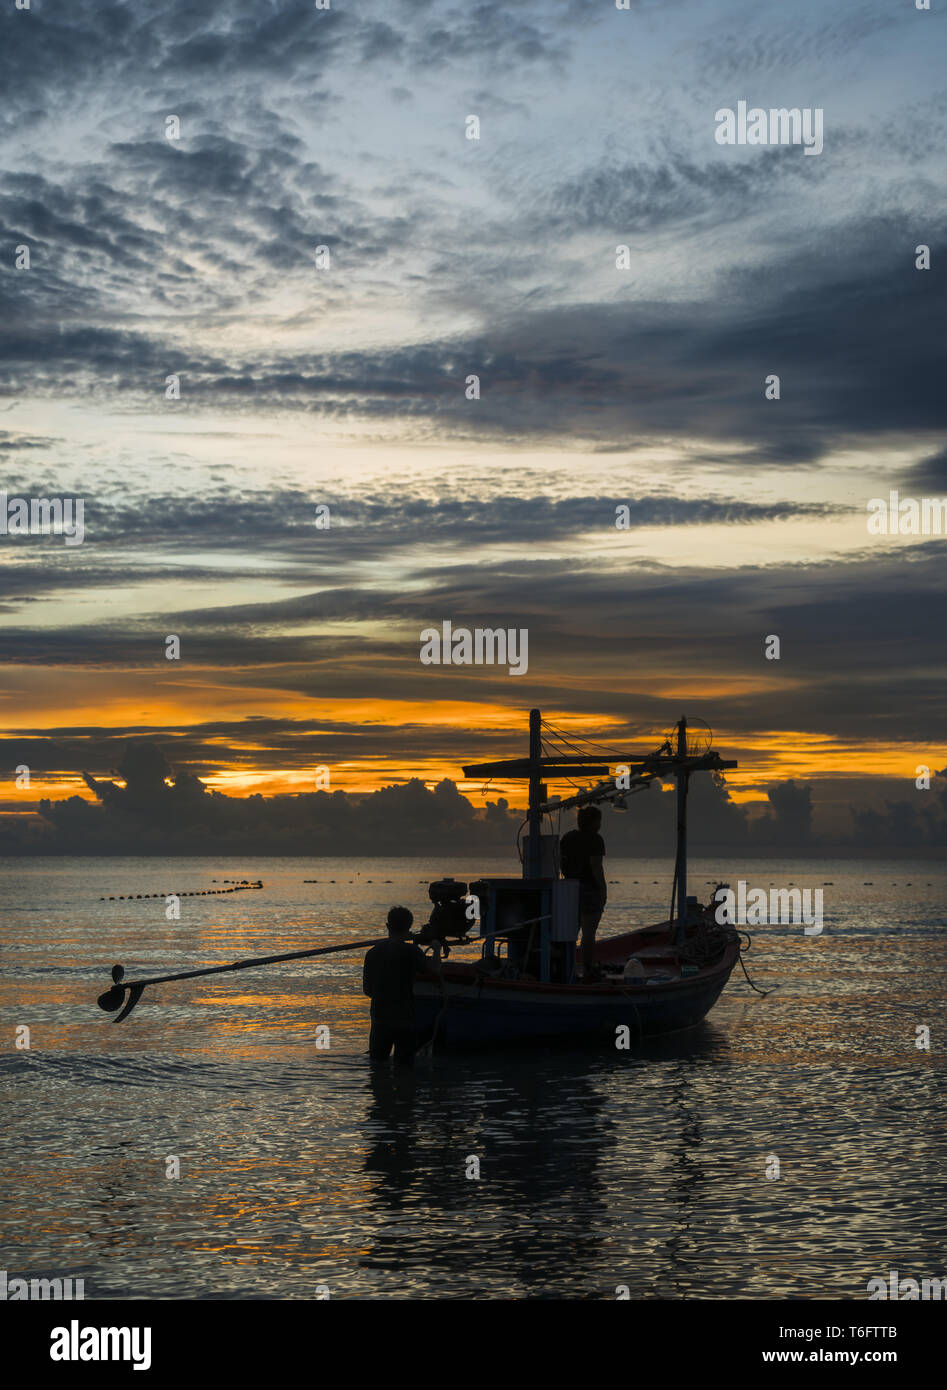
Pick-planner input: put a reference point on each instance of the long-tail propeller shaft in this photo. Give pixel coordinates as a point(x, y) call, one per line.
point(114, 998)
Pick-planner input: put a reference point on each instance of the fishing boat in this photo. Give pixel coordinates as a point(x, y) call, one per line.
point(525, 985)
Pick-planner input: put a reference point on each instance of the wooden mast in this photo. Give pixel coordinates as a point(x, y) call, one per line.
point(682, 775)
point(532, 861)
point(669, 761)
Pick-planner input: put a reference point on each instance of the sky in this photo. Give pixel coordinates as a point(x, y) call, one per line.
point(341, 381)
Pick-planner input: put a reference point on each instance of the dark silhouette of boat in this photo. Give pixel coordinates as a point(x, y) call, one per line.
point(525, 986)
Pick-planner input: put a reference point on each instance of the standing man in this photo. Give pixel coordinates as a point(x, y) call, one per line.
point(388, 979)
point(581, 852)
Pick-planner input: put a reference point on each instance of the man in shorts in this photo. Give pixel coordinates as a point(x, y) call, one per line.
point(581, 852)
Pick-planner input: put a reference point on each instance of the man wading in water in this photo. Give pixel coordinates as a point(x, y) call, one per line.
point(388, 979)
point(581, 852)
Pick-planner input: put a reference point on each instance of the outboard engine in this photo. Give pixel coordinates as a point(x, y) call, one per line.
point(449, 913)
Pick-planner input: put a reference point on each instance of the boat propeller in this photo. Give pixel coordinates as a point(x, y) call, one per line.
point(113, 998)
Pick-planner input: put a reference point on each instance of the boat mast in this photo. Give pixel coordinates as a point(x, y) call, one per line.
point(532, 862)
point(682, 776)
point(667, 761)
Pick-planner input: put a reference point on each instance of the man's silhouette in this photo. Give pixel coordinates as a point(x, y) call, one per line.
point(388, 979)
point(580, 856)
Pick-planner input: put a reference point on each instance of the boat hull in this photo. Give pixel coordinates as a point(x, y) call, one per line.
point(488, 1011)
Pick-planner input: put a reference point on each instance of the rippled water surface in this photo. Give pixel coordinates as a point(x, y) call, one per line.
point(301, 1167)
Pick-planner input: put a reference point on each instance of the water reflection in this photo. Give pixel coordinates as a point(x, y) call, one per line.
point(545, 1134)
point(539, 1134)
point(302, 1166)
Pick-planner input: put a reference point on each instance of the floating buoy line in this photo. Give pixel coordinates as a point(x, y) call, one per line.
point(239, 886)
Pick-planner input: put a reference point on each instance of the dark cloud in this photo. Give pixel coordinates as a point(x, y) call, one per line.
point(592, 371)
point(603, 634)
point(641, 197)
point(10, 443)
point(152, 815)
point(303, 127)
point(730, 52)
point(362, 526)
point(123, 239)
point(155, 810)
point(930, 472)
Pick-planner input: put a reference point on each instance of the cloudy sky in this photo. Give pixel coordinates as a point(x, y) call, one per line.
point(344, 385)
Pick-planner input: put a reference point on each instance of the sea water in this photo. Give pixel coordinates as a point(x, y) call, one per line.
point(792, 1146)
